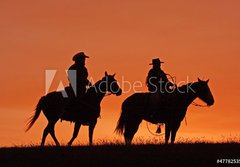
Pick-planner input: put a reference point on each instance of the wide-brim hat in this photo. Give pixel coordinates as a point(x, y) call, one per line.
point(79, 56)
point(156, 61)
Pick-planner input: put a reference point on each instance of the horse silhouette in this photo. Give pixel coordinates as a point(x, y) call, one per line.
point(86, 112)
point(171, 110)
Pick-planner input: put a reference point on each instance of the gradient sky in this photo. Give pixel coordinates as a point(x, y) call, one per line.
point(194, 38)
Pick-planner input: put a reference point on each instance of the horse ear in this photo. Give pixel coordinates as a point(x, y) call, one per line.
point(106, 74)
point(114, 75)
point(199, 80)
point(207, 81)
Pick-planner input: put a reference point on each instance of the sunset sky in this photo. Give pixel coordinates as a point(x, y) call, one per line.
point(194, 38)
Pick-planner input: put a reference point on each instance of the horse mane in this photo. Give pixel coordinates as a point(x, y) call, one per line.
point(184, 88)
point(95, 87)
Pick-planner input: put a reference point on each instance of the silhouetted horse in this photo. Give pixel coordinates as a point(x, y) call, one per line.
point(171, 109)
point(85, 112)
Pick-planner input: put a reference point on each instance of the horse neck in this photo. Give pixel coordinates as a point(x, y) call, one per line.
point(98, 91)
point(190, 94)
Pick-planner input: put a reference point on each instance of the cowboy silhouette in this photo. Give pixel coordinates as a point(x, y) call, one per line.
point(77, 76)
point(159, 85)
point(157, 81)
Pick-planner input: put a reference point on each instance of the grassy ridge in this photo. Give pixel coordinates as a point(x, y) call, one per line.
point(199, 154)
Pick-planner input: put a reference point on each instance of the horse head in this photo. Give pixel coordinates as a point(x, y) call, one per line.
point(112, 85)
point(203, 92)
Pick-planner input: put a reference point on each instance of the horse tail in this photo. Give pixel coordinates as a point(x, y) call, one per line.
point(122, 120)
point(38, 110)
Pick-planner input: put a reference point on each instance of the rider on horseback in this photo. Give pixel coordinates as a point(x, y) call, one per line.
point(159, 86)
point(78, 73)
point(77, 76)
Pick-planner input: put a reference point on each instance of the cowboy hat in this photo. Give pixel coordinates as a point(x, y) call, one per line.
point(156, 61)
point(79, 56)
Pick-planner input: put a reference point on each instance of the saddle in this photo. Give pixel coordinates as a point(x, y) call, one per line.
point(157, 100)
point(156, 106)
point(76, 108)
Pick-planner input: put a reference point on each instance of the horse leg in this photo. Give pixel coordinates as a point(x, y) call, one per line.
point(174, 131)
point(75, 133)
point(131, 128)
point(45, 133)
point(167, 133)
point(52, 133)
point(91, 129)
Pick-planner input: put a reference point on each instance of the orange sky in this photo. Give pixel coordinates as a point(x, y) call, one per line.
point(194, 38)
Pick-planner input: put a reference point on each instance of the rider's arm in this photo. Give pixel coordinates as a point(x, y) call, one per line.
point(150, 75)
